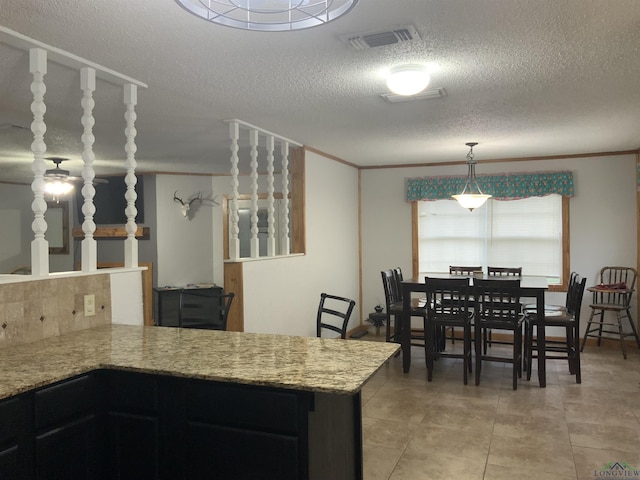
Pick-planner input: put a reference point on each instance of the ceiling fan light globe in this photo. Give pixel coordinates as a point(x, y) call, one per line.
point(408, 79)
point(57, 187)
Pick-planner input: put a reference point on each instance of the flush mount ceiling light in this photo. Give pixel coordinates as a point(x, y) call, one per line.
point(408, 79)
point(471, 196)
point(268, 15)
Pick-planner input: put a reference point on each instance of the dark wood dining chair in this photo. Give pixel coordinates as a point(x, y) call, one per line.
point(394, 310)
point(498, 308)
point(447, 306)
point(334, 313)
point(450, 333)
point(487, 340)
point(566, 316)
point(612, 294)
point(208, 311)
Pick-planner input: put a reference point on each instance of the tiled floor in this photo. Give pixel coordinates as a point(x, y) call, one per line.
point(418, 430)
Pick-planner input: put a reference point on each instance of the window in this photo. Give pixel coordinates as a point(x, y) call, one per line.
point(531, 233)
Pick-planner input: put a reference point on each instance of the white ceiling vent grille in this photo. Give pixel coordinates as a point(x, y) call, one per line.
point(424, 95)
point(363, 41)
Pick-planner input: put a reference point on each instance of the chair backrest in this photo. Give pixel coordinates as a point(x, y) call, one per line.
point(397, 282)
point(504, 271)
point(622, 277)
point(390, 294)
point(460, 270)
point(575, 293)
point(497, 300)
point(333, 314)
point(204, 310)
point(447, 297)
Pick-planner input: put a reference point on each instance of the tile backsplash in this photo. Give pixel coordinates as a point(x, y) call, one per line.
point(37, 309)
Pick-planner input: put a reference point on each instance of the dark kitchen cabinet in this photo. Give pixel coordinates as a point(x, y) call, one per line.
point(15, 432)
point(69, 430)
point(133, 422)
point(122, 425)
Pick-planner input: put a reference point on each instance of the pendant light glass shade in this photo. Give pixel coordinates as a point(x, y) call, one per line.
point(471, 196)
point(408, 79)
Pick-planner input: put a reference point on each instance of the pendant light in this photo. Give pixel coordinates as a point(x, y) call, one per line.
point(471, 196)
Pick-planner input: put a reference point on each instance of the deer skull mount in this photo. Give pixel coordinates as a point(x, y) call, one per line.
point(185, 207)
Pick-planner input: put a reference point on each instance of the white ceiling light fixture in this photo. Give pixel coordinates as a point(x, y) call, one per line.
point(408, 79)
point(471, 196)
point(268, 15)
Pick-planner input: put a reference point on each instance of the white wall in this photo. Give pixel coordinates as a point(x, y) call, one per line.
point(126, 298)
point(282, 295)
point(184, 245)
point(602, 217)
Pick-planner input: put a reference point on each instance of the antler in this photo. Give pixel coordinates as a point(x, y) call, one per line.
point(198, 198)
point(178, 200)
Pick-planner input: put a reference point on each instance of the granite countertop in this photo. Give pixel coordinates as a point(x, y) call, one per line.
point(298, 363)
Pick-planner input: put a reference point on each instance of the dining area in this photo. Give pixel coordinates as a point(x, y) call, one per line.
point(495, 315)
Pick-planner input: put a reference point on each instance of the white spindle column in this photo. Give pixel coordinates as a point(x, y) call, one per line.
point(89, 244)
point(271, 239)
point(284, 239)
point(131, 242)
point(255, 241)
point(39, 245)
point(234, 230)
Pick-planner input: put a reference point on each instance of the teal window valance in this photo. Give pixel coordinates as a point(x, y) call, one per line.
point(508, 186)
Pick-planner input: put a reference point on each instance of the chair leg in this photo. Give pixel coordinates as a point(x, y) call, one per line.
point(478, 346)
point(528, 348)
point(600, 327)
point(429, 348)
point(570, 346)
point(622, 342)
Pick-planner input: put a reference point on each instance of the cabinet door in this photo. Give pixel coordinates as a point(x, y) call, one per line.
point(69, 430)
point(223, 453)
point(134, 426)
point(15, 448)
point(70, 451)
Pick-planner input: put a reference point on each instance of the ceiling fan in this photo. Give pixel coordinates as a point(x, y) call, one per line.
point(59, 181)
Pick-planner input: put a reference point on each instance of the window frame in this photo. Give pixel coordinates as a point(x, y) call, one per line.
point(566, 237)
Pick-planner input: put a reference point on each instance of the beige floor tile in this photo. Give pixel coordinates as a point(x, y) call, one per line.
point(434, 466)
point(379, 462)
point(387, 433)
point(414, 429)
point(522, 454)
point(607, 437)
point(538, 429)
point(590, 462)
point(499, 472)
point(472, 444)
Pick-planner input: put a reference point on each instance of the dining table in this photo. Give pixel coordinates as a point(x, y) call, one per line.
point(530, 287)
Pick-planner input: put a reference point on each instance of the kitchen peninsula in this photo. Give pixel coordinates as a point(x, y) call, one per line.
point(122, 401)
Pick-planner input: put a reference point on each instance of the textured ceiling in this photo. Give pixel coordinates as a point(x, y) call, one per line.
point(523, 78)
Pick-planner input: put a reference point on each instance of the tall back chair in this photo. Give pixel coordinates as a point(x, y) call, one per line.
point(447, 306)
point(568, 317)
point(498, 307)
point(397, 282)
point(612, 294)
point(467, 272)
point(487, 340)
point(504, 271)
point(333, 314)
point(462, 270)
point(394, 310)
point(206, 311)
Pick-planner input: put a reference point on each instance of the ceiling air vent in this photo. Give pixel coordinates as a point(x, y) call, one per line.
point(363, 41)
point(424, 95)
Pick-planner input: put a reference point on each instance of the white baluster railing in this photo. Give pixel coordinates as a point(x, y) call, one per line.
point(89, 245)
point(271, 241)
point(131, 242)
point(39, 245)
